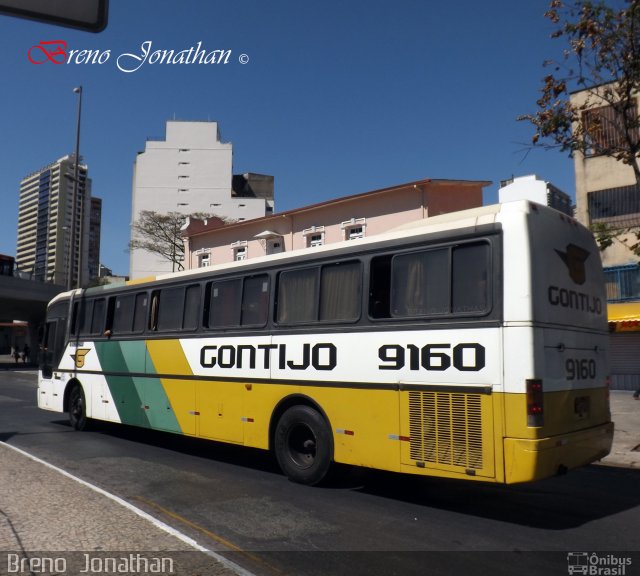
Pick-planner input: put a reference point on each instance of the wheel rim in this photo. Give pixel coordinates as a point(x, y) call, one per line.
point(302, 444)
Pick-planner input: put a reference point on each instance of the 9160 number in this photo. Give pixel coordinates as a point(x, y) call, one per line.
point(583, 369)
point(466, 357)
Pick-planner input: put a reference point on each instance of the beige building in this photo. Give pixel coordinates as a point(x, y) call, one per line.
point(607, 193)
point(606, 190)
point(349, 218)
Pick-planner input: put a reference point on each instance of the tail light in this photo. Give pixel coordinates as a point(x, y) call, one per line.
point(535, 403)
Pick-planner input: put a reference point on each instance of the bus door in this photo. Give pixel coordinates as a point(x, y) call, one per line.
point(51, 351)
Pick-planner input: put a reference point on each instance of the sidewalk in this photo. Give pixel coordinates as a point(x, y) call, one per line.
point(625, 413)
point(46, 516)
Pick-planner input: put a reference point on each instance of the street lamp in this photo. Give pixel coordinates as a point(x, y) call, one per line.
point(74, 202)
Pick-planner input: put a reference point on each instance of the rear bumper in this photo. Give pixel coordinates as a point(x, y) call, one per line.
point(530, 460)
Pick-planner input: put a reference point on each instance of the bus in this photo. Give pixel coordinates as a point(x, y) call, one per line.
point(471, 345)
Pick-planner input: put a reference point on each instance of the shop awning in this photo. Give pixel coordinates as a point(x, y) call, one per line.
point(624, 316)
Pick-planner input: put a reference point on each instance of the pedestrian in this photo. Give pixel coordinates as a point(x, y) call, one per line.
point(15, 354)
point(25, 353)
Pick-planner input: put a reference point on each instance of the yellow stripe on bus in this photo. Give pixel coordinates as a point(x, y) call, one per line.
point(168, 358)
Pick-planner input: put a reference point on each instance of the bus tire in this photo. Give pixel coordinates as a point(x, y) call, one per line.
point(78, 408)
point(303, 445)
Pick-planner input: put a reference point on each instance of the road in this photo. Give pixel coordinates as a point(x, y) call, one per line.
point(235, 501)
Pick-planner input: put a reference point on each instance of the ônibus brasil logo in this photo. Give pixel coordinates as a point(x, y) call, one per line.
point(597, 564)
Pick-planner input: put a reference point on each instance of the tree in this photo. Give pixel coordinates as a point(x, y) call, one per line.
point(160, 234)
point(602, 60)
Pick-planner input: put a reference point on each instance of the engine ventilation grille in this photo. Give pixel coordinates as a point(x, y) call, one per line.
point(446, 428)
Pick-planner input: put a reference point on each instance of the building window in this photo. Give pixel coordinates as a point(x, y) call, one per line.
point(622, 282)
point(240, 251)
point(314, 236)
point(355, 233)
point(619, 206)
point(275, 245)
point(604, 128)
point(204, 260)
point(354, 228)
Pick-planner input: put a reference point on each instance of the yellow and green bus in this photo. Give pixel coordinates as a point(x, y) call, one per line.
point(471, 345)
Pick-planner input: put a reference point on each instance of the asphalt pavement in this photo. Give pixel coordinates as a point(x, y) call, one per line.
point(45, 512)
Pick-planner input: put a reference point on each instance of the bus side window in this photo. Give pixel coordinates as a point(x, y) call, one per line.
point(341, 292)
point(298, 296)
point(75, 327)
point(97, 317)
point(191, 307)
point(170, 309)
point(85, 309)
point(140, 313)
point(380, 287)
point(123, 314)
point(155, 305)
point(255, 301)
point(224, 303)
point(471, 274)
point(420, 283)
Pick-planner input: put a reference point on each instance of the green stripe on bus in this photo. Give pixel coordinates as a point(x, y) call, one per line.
point(126, 391)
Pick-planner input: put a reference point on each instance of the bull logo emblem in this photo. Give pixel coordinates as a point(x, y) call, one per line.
point(79, 356)
point(574, 258)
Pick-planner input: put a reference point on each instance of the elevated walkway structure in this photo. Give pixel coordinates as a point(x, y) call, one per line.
point(25, 300)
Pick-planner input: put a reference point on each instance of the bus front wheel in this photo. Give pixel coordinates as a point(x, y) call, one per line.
point(303, 445)
point(77, 408)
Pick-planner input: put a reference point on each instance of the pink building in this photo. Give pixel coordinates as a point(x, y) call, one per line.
point(349, 218)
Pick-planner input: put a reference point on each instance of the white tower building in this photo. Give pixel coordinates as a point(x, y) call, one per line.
point(188, 172)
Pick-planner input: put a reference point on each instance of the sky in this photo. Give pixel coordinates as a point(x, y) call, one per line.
point(332, 98)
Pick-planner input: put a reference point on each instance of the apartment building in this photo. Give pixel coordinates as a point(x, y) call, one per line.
point(189, 172)
point(50, 247)
point(537, 190)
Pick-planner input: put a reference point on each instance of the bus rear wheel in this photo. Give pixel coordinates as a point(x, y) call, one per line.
point(303, 445)
point(77, 408)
